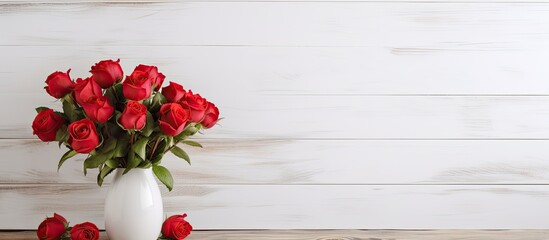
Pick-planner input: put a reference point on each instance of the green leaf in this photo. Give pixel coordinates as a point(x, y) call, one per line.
point(70, 110)
point(117, 116)
point(190, 130)
point(40, 109)
point(177, 151)
point(149, 126)
point(96, 159)
point(109, 145)
point(110, 93)
point(113, 129)
point(133, 161)
point(62, 115)
point(99, 180)
point(66, 235)
point(67, 155)
point(156, 159)
point(140, 147)
point(115, 96)
point(157, 101)
point(192, 143)
point(121, 148)
point(164, 176)
point(106, 170)
point(148, 101)
point(62, 135)
point(112, 163)
point(162, 147)
point(145, 164)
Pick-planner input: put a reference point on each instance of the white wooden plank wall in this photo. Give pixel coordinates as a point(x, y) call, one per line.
point(353, 115)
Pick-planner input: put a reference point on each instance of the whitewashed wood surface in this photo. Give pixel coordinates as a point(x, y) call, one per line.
point(338, 234)
point(338, 114)
point(300, 206)
point(409, 27)
point(353, 117)
point(293, 70)
point(244, 161)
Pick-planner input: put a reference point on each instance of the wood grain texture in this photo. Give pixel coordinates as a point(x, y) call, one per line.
point(286, 207)
point(253, 70)
point(238, 161)
point(339, 235)
point(418, 27)
point(334, 111)
point(200, 1)
point(346, 117)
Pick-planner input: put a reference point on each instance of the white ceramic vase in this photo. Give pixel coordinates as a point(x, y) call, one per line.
point(133, 207)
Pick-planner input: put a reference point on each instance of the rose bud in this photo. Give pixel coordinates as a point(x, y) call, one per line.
point(156, 78)
point(176, 227)
point(196, 104)
point(173, 118)
point(134, 116)
point(211, 116)
point(83, 137)
point(84, 231)
point(59, 84)
point(137, 86)
point(107, 72)
point(86, 88)
point(173, 92)
point(98, 109)
point(46, 124)
point(52, 228)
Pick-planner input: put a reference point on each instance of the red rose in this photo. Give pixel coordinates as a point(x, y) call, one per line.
point(152, 71)
point(211, 116)
point(107, 72)
point(59, 84)
point(137, 86)
point(176, 227)
point(83, 137)
point(173, 92)
point(85, 231)
point(173, 119)
point(134, 116)
point(98, 109)
point(52, 228)
point(86, 88)
point(46, 124)
point(196, 104)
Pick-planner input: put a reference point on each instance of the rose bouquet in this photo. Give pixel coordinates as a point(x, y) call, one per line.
point(123, 124)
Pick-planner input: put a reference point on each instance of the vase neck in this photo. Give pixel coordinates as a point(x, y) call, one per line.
point(134, 173)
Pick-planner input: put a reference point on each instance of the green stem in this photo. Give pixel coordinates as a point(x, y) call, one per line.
point(170, 148)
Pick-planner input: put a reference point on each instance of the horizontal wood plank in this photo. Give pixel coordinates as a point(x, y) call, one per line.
point(415, 27)
point(244, 70)
point(283, 206)
point(344, 117)
point(237, 161)
point(200, 1)
point(31, 235)
point(338, 234)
